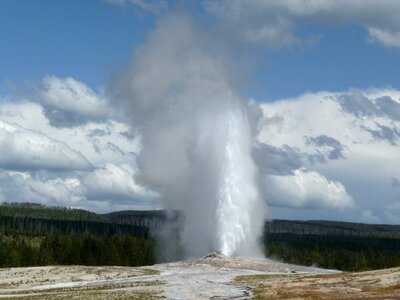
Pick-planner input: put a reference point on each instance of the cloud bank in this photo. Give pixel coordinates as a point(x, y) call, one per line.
point(306, 189)
point(88, 164)
point(338, 138)
point(25, 149)
point(333, 138)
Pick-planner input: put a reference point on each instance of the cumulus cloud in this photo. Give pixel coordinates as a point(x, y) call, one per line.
point(306, 189)
point(333, 120)
point(89, 166)
point(385, 133)
point(115, 183)
point(24, 187)
point(331, 147)
point(357, 103)
point(101, 142)
point(382, 112)
point(276, 160)
point(272, 23)
point(68, 102)
point(389, 107)
point(103, 189)
point(350, 137)
point(25, 149)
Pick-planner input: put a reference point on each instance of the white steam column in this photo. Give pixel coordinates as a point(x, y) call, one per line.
point(238, 198)
point(196, 135)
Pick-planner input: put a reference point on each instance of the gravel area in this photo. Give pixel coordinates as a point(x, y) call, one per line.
point(210, 277)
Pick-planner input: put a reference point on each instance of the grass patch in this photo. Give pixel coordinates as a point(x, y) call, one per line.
point(95, 295)
point(103, 287)
point(148, 272)
point(383, 290)
point(321, 286)
point(249, 279)
point(142, 290)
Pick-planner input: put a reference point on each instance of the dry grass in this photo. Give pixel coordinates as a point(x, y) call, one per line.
point(18, 283)
point(24, 278)
point(94, 295)
point(381, 284)
point(131, 290)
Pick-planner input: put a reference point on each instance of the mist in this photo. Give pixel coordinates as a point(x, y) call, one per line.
point(197, 135)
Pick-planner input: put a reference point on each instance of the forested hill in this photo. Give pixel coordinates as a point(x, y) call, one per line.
point(154, 218)
point(39, 211)
point(33, 234)
point(36, 219)
point(332, 228)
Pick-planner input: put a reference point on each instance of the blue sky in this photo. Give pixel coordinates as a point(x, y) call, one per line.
point(89, 40)
point(340, 59)
point(86, 40)
point(323, 74)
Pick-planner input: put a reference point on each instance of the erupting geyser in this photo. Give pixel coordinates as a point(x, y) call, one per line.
point(197, 136)
point(238, 198)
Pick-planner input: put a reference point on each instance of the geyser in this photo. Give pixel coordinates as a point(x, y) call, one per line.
point(196, 135)
point(238, 199)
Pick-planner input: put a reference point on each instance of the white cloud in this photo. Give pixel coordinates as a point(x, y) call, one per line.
point(68, 102)
point(272, 23)
point(23, 187)
point(152, 6)
point(103, 189)
point(347, 140)
point(306, 189)
point(95, 162)
point(114, 182)
point(108, 141)
point(386, 37)
point(350, 118)
point(25, 149)
point(364, 126)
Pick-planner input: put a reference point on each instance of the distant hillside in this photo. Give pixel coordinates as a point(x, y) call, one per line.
point(320, 227)
point(39, 211)
point(33, 234)
point(155, 218)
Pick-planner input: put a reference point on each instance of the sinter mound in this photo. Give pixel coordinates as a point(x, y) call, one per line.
point(213, 255)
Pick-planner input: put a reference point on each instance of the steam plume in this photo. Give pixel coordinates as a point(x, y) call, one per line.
point(196, 137)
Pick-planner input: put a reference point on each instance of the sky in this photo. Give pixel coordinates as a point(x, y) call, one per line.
point(323, 74)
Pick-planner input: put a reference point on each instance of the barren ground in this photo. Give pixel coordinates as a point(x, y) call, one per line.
point(214, 277)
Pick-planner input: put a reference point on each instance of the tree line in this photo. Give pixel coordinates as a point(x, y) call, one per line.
point(341, 252)
point(89, 250)
point(331, 228)
point(32, 235)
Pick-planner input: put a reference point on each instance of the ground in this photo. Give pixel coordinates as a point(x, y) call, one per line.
point(211, 277)
point(379, 284)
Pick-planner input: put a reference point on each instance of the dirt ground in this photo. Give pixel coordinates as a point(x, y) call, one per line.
point(211, 277)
